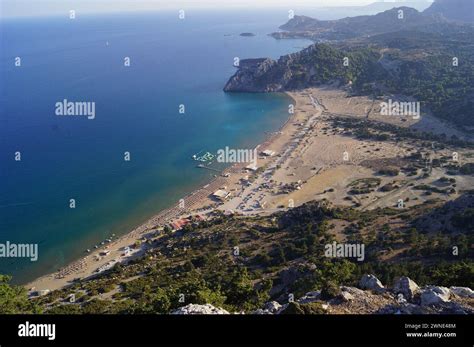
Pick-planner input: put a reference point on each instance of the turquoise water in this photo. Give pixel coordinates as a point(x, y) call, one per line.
point(172, 62)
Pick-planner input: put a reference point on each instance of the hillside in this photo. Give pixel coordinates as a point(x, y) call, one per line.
point(242, 263)
point(401, 18)
point(315, 65)
point(408, 62)
point(455, 10)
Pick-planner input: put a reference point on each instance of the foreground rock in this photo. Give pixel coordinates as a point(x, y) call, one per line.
point(371, 282)
point(406, 297)
point(407, 287)
point(199, 309)
point(462, 292)
point(271, 307)
point(433, 295)
point(310, 297)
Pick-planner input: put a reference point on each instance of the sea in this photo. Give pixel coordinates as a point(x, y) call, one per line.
point(50, 162)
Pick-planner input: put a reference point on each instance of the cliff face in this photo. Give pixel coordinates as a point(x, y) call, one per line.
point(252, 76)
point(261, 75)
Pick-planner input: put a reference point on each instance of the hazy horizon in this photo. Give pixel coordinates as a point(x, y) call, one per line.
point(36, 8)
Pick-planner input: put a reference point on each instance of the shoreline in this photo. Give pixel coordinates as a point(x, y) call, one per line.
point(85, 267)
point(308, 164)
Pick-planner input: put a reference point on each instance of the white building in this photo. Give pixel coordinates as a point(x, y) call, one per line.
point(221, 194)
point(268, 153)
point(251, 167)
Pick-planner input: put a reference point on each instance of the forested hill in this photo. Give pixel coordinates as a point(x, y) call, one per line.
point(457, 10)
point(400, 18)
point(435, 68)
point(438, 14)
point(317, 64)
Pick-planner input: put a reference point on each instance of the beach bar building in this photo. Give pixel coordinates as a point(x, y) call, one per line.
point(251, 167)
point(268, 153)
point(221, 194)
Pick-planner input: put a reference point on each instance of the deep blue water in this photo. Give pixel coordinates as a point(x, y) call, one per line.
point(172, 62)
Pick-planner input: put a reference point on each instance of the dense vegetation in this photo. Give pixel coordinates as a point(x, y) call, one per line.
point(435, 69)
point(13, 299)
point(324, 63)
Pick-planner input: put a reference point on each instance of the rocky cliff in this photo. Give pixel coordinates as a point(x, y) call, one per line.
point(254, 75)
point(315, 65)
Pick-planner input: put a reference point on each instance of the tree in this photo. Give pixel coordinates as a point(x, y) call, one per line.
point(167, 229)
point(208, 296)
point(240, 288)
point(14, 299)
point(160, 301)
point(278, 257)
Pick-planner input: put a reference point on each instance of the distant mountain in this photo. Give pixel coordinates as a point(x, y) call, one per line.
point(457, 10)
point(337, 12)
point(401, 18)
point(381, 6)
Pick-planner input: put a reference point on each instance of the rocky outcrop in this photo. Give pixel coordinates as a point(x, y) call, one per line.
point(346, 296)
point(310, 297)
point(406, 287)
point(405, 297)
point(271, 307)
point(199, 309)
point(433, 295)
point(252, 77)
point(462, 292)
point(371, 282)
point(352, 290)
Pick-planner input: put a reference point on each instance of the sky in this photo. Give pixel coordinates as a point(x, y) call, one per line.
point(29, 8)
